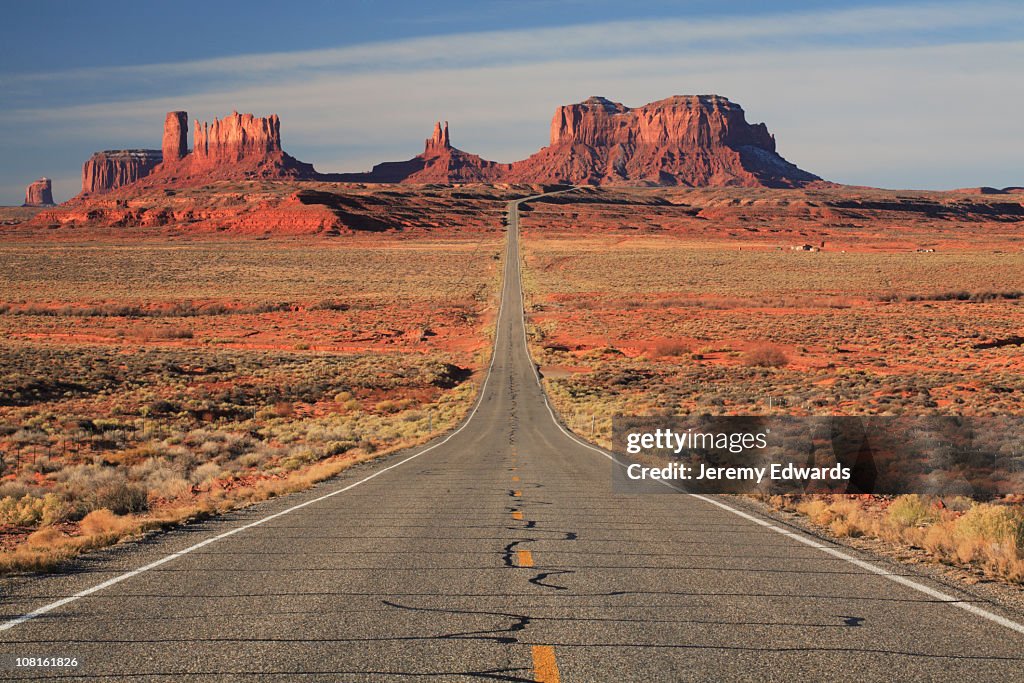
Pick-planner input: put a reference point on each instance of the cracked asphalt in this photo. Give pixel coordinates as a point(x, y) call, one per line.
point(500, 554)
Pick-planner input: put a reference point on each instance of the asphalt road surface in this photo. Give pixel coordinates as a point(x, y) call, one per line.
point(499, 552)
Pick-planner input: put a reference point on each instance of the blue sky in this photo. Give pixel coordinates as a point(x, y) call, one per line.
point(913, 94)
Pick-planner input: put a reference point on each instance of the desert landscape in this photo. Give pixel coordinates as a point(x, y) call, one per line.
point(202, 328)
point(154, 376)
point(304, 381)
point(839, 301)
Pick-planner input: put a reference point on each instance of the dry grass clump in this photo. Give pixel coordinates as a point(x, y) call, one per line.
point(766, 356)
point(104, 521)
point(843, 517)
point(958, 532)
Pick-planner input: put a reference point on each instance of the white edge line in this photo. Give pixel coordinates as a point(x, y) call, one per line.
point(806, 540)
point(7, 625)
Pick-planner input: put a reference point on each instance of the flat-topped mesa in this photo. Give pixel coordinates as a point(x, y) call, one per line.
point(236, 138)
point(39, 193)
point(696, 120)
point(439, 142)
point(696, 140)
point(175, 142)
point(113, 168)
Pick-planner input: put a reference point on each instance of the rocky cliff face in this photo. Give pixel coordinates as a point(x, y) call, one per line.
point(175, 142)
point(39, 193)
point(113, 168)
point(701, 140)
point(236, 139)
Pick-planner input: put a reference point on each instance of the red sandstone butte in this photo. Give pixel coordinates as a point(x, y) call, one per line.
point(114, 168)
point(39, 193)
point(693, 140)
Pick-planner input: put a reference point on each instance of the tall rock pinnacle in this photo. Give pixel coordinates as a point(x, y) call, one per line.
point(175, 143)
point(439, 142)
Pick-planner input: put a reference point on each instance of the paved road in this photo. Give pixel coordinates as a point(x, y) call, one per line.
point(500, 554)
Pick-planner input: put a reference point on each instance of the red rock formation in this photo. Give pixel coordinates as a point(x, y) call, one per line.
point(113, 168)
point(39, 193)
point(439, 142)
point(240, 146)
point(700, 140)
point(175, 143)
point(684, 140)
point(235, 139)
point(439, 163)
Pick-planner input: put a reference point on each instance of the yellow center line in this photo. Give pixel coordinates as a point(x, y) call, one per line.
point(515, 478)
point(517, 514)
point(545, 668)
point(525, 558)
point(517, 494)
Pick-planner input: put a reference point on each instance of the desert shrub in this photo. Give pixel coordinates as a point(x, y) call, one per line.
point(161, 407)
point(910, 510)
point(767, 356)
point(299, 457)
point(15, 489)
point(387, 406)
point(44, 465)
point(160, 479)
point(995, 524)
point(206, 472)
point(90, 487)
point(121, 497)
point(329, 305)
point(30, 510)
point(670, 349)
point(172, 332)
point(816, 510)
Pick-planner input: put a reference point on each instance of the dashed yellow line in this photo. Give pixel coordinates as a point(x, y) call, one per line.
point(545, 668)
point(517, 494)
point(525, 558)
point(515, 478)
point(517, 514)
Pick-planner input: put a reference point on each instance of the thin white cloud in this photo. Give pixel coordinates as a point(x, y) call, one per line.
point(567, 42)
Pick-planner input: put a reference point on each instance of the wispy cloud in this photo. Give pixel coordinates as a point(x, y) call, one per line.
point(560, 43)
point(889, 96)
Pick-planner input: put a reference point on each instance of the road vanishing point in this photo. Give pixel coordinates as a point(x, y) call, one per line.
point(499, 552)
